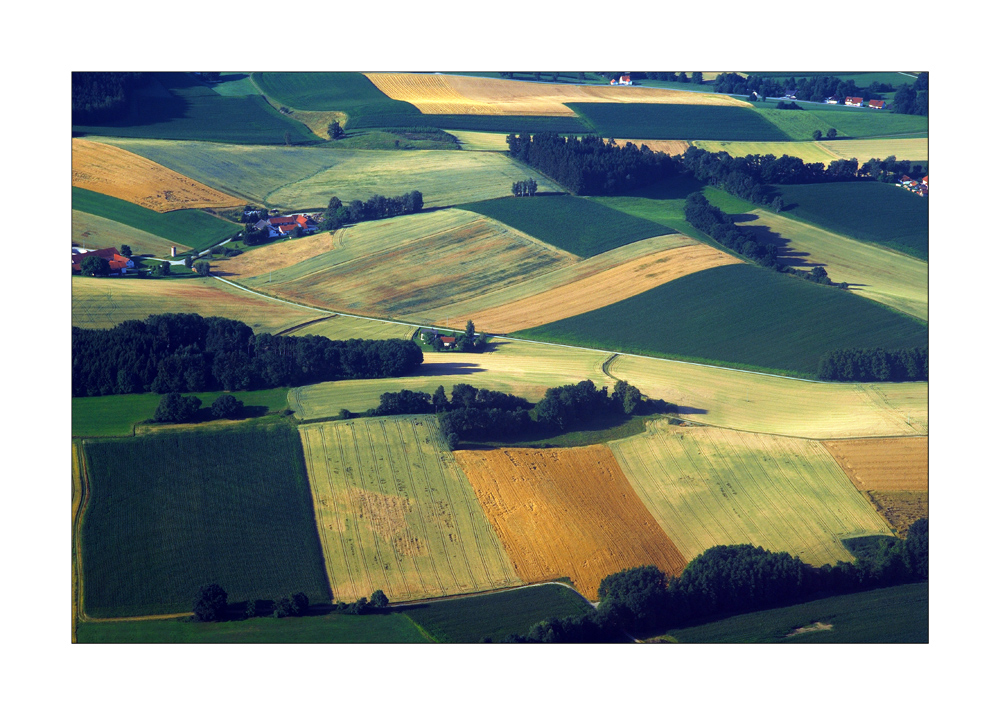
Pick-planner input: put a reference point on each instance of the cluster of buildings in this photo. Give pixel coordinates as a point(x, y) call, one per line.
point(280, 226)
point(920, 188)
point(859, 102)
point(624, 79)
point(117, 263)
point(428, 336)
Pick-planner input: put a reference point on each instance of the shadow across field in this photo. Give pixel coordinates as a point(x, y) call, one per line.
point(442, 369)
point(764, 236)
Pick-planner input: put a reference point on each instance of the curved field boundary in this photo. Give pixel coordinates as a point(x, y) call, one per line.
point(90, 231)
point(455, 94)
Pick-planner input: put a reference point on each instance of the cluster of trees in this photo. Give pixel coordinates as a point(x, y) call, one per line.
point(874, 365)
point(377, 603)
point(912, 98)
point(103, 96)
point(334, 130)
point(467, 342)
point(588, 165)
point(528, 187)
point(175, 407)
point(337, 213)
point(811, 89)
point(695, 78)
point(188, 353)
point(567, 406)
point(716, 223)
point(212, 605)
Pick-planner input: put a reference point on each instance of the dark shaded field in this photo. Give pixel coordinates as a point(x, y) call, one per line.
point(677, 121)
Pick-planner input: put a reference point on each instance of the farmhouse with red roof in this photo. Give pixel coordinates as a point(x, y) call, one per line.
point(876, 103)
point(117, 263)
point(853, 101)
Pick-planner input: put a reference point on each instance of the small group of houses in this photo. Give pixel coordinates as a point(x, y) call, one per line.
point(428, 336)
point(281, 226)
point(860, 102)
point(625, 79)
point(920, 188)
point(117, 263)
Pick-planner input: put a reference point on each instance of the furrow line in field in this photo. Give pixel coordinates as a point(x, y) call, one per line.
point(341, 523)
point(401, 492)
point(358, 550)
point(378, 481)
point(368, 493)
point(471, 511)
point(420, 508)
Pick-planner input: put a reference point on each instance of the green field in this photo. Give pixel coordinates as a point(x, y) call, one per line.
point(299, 178)
point(850, 122)
point(345, 327)
point(90, 231)
point(179, 106)
point(187, 227)
point(496, 615)
point(866, 210)
point(172, 511)
point(329, 628)
point(739, 315)
point(348, 92)
point(899, 614)
point(580, 226)
point(115, 415)
point(708, 487)
point(477, 123)
point(677, 121)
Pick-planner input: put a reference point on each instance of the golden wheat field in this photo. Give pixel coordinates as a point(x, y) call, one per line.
point(116, 172)
point(894, 464)
point(567, 512)
point(709, 487)
point(451, 94)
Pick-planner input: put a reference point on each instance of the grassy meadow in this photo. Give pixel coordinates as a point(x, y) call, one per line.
point(582, 227)
point(345, 327)
point(756, 318)
point(913, 149)
point(168, 515)
point(678, 121)
point(348, 92)
point(850, 122)
point(90, 231)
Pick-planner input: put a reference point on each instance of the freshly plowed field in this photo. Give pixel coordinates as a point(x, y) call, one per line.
point(883, 464)
point(406, 265)
point(765, 403)
point(113, 171)
point(106, 302)
point(395, 513)
point(447, 94)
point(708, 487)
point(523, 369)
point(344, 327)
point(567, 512)
point(901, 508)
point(99, 232)
point(597, 291)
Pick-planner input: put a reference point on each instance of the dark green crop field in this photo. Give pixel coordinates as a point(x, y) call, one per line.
point(887, 615)
point(738, 315)
point(577, 225)
point(329, 628)
point(181, 107)
point(190, 227)
point(677, 121)
point(174, 511)
point(494, 616)
point(473, 123)
point(348, 92)
point(866, 210)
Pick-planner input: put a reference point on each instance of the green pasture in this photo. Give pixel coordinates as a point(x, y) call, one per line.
point(582, 227)
point(179, 106)
point(739, 315)
point(495, 615)
point(899, 614)
point(869, 211)
point(172, 511)
point(850, 122)
point(478, 123)
point(328, 628)
point(92, 231)
point(348, 92)
point(189, 227)
point(116, 415)
point(678, 121)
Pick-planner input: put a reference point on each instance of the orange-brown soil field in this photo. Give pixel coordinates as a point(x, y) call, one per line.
point(116, 172)
point(889, 464)
point(567, 512)
point(900, 508)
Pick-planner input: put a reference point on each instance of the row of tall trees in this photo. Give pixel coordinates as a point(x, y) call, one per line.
point(810, 89)
point(188, 353)
point(589, 165)
point(338, 213)
point(875, 365)
point(528, 187)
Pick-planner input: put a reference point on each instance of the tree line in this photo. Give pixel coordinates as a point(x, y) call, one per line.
point(188, 353)
point(103, 96)
point(212, 605)
point(589, 165)
point(875, 365)
point(377, 207)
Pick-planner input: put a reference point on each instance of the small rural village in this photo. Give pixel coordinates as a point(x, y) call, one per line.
point(500, 357)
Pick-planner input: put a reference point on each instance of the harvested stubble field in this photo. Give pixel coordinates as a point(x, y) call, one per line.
point(111, 170)
point(708, 487)
point(450, 94)
point(345, 327)
point(481, 141)
point(775, 405)
point(874, 272)
point(520, 368)
point(395, 512)
point(106, 302)
point(897, 464)
point(567, 512)
point(93, 231)
point(401, 266)
point(598, 290)
point(913, 149)
point(299, 178)
point(901, 508)
point(809, 152)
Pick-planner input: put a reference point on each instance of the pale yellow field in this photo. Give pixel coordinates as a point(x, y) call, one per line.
point(318, 122)
point(345, 327)
point(396, 513)
point(596, 291)
point(708, 487)
point(106, 302)
point(116, 172)
point(98, 232)
point(449, 94)
point(481, 141)
point(674, 147)
point(809, 152)
point(914, 149)
point(877, 273)
point(522, 369)
point(765, 403)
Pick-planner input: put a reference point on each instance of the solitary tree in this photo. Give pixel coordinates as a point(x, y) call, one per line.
point(188, 261)
point(210, 605)
point(831, 133)
point(379, 600)
point(335, 130)
point(126, 250)
point(226, 407)
point(203, 267)
point(161, 269)
point(175, 407)
point(95, 266)
point(817, 134)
